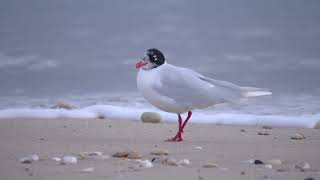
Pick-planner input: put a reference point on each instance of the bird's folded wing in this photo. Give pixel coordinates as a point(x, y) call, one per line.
point(192, 89)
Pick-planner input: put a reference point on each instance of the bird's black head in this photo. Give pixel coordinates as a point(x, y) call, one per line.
point(152, 59)
point(155, 56)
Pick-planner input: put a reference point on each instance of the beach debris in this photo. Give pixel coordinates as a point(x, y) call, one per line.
point(268, 166)
point(317, 126)
point(150, 117)
point(243, 130)
point(249, 161)
point(128, 155)
point(69, 160)
point(258, 162)
point(170, 162)
point(29, 159)
point(94, 155)
point(210, 165)
point(145, 163)
point(174, 162)
point(57, 159)
point(275, 161)
point(285, 168)
point(302, 166)
point(184, 162)
point(267, 127)
point(297, 136)
point(198, 147)
point(160, 152)
point(263, 132)
point(63, 105)
point(309, 178)
point(87, 170)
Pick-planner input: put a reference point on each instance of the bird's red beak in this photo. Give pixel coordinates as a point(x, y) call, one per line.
point(140, 64)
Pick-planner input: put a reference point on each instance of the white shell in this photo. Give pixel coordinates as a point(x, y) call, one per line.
point(184, 162)
point(69, 160)
point(56, 159)
point(29, 159)
point(145, 163)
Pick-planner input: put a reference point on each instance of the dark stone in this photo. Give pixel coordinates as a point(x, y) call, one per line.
point(309, 178)
point(258, 162)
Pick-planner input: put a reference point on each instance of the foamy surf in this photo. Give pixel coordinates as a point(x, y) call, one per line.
point(127, 113)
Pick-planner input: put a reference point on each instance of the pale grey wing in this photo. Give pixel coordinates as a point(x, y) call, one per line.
point(195, 90)
point(184, 88)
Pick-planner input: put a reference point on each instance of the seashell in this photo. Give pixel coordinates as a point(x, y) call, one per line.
point(128, 155)
point(159, 152)
point(210, 165)
point(145, 163)
point(170, 162)
point(184, 162)
point(268, 166)
point(263, 133)
point(198, 147)
point(122, 154)
point(69, 160)
point(56, 159)
point(134, 155)
point(87, 170)
point(29, 159)
point(297, 137)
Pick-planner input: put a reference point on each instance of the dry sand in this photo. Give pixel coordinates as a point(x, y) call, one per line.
point(226, 146)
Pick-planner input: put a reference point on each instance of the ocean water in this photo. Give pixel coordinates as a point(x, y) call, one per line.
point(290, 110)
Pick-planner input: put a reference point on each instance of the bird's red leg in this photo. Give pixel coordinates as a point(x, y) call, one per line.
point(177, 137)
point(187, 119)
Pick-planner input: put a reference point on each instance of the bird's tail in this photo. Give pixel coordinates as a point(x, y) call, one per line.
point(252, 91)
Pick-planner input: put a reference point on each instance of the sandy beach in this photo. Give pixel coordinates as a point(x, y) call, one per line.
point(230, 149)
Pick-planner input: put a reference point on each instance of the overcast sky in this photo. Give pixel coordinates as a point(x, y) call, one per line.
point(84, 46)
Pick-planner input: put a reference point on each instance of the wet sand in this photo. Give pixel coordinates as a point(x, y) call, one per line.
point(227, 146)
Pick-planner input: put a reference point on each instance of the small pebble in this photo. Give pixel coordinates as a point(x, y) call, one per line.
point(29, 159)
point(303, 166)
point(123, 154)
point(275, 161)
point(243, 173)
point(69, 160)
point(250, 161)
point(266, 127)
point(150, 117)
point(198, 147)
point(297, 137)
point(243, 130)
point(56, 159)
point(268, 166)
point(87, 170)
point(309, 178)
point(170, 162)
point(134, 155)
point(210, 165)
point(263, 133)
point(159, 152)
point(258, 161)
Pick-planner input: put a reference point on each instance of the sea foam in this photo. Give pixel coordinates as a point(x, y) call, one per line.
point(133, 113)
